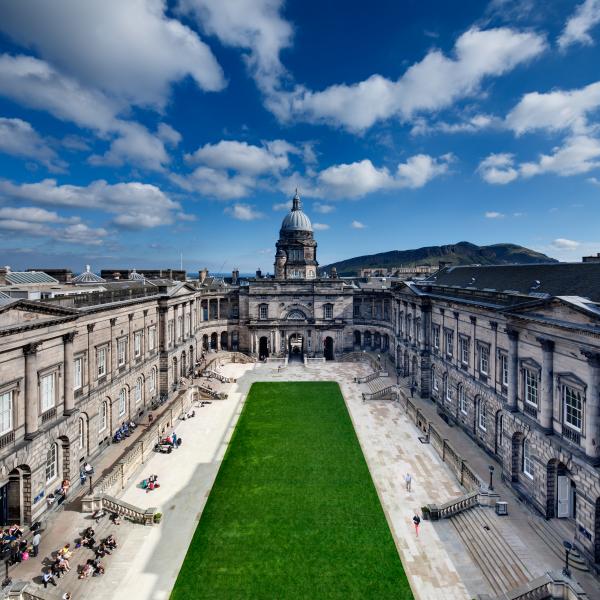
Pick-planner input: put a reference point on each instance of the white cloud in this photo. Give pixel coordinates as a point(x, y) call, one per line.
point(215, 183)
point(320, 226)
point(243, 212)
point(434, 83)
point(565, 244)
point(34, 215)
point(361, 178)
point(130, 50)
point(471, 124)
point(244, 157)
point(357, 225)
point(492, 214)
point(168, 135)
point(576, 31)
point(498, 169)
point(19, 138)
point(555, 111)
point(135, 205)
point(252, 24)
point(324, 209)
point(593, 180)
point(27, 222)
point(282, 206)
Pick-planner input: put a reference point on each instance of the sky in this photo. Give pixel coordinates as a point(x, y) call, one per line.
point(144, 133)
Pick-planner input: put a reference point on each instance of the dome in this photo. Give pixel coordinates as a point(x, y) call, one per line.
point(87, 277)
point(296, 220)
point(135, 276)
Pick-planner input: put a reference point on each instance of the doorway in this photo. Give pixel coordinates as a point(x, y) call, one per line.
point(328, 348)
point(263, 347)
point(296, 347)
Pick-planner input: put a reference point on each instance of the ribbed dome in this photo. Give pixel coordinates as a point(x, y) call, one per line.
point(296, 220)
point(87, 277)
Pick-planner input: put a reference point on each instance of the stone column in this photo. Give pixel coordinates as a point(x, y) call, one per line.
point(69, 393)
point(473, 348)
point(218, 309)
point(513, 369)
point(31, 391)
point(592, 407)
point(163, 316)
point(547, 399)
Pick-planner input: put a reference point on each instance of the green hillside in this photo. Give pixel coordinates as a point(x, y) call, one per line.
point(463, 253)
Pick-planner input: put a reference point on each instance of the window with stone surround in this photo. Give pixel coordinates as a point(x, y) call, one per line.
point(122, 351)
point(482, 409)
point(137, 391)
point(78, 373)
point(152, 337)
point(484, 358)
point(435, 336)
point(137, 343)
point(48, 391)
point(465, 344)
point(263, 311)
point(462, 399)
point(52, 463)
point(103, 415)
point(448, 386)
point(531, 386)
point(434, 381)
point(152, 380)
point(527, 461)
point(328, 311)
point(503, 369)
point(572, 399)
point(6, 411)
point(80, 433)
point(101, 354)
point(122, 402)
point(449, 342)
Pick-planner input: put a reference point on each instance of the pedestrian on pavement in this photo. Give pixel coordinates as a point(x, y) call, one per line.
point(48, 577)
point(408, 481)
point(37, 538)
point(417, 522)
point(174, 438)
point(413, 389)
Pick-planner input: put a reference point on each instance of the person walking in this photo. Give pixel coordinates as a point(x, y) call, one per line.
point(413, 389)
point(417, 522)
point(35, 542)
point(408, 481)
point(47, 578)
point(174, 438)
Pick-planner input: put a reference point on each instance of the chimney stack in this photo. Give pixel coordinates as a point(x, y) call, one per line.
point(258, 274)
point(202, 275)
point(235, 275)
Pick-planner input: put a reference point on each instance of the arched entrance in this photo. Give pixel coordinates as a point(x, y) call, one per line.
point(367, 339)
point(263, 347)
point(357, 339)
point(328, 348)
point(192, 359)
point(224, 341)
point(15, 497)
point(213, 341)
point(406, 365)
point(205, 342)
point(561, 491)
point(296, 346)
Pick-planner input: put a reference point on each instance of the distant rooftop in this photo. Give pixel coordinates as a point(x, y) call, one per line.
point(9, 277)
point(87, 277)
point(536, 280)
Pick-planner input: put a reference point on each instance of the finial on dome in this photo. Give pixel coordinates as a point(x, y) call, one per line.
point(296, 203)
point(87, 268)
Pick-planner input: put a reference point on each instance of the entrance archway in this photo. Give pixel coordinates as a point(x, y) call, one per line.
point(15, 497)
point(328, 348)
point(263, 347)
point(205, 342)
point(224, 341)
point(296, 346)
point(213, 341)
point(357, 339)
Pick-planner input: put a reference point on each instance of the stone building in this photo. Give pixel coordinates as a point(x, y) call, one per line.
point(510, 354)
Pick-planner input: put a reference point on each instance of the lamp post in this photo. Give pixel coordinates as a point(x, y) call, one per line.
point(90, 478)
point(491, 468)
point(568, 547)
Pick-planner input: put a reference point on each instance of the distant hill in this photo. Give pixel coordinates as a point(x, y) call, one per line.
point(463, 253)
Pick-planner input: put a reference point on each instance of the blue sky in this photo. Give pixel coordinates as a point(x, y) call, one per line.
point(132, 132)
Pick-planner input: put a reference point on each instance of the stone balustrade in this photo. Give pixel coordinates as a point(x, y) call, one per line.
point(552, 585)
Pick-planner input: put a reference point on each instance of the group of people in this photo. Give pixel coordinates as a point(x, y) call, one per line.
point(150, 483)
point(13, 545)
point(126, 429)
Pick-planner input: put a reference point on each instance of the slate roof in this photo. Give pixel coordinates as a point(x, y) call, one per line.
point(20, 277)
point(537, 280)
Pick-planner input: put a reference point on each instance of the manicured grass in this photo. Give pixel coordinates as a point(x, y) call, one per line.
point(293, 512)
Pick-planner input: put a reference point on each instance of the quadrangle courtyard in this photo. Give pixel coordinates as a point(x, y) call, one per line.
point(370, 510)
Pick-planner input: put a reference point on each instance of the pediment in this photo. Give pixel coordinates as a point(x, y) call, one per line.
point(24, 312)
point(574, 310)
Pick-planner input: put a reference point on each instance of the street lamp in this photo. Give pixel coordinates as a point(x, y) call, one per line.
point(90, 477)
point(491, 468)
point(568, 547)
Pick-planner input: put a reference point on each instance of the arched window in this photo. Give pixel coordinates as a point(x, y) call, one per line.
point(103, 415)
point(51, 463)
point(448, 389)
point(122, 401)
point(152, 382)
point(527, 461)
point(482, 415)
point(81, 433)
point(434, 381)
point(462, 399)
point(138, 390)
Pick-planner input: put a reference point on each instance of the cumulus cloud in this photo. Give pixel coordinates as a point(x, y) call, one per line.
point(134, 205)
point(578, 26)
point(471, 124)
point(243, 212)
point(324, 209)
point(320, 226)
point(34, 215)
point(565, 244)
point(357, 225)
point(492, 214)
point(498, 169)
point(19, 138)
point(102, 51)
point(281, 206)
point(434, 83)
point(168, 134)
point(361, 178)
point(215, 183)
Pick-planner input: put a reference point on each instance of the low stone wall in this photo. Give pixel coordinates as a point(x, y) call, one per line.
point(118, 477)
point(461, 469)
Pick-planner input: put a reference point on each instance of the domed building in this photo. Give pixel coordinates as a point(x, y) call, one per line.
point(296, 256)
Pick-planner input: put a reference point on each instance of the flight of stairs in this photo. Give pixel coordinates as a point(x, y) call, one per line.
point(494, 556)
point(554, 540)
point(376, 385)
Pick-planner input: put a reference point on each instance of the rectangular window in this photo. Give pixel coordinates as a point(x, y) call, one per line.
point(122, 351)
point(449, 343)
point(435, 382)
point(78, 373)
point(504, 369)
point(48, 391)
point(152, 337)
point(531, 387)
point(356, 311)
point(328, 311)
point(482, 416)
point(170, 331)
point(527, 461)
point(464, 350)
point(152, 384)
point(264, 311)
point(137, 343)
point(462, 400)
point(572, 407)
point(6, 412)
point(436, 336)
point(101, 361)
point(448, 391)
point(484, 360)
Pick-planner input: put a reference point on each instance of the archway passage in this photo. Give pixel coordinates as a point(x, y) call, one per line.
point(15, 497)
point(224, 341)
point(357, 339)
point(213, 341)
point(296, 347)
point(263, 347)
point(328, 348)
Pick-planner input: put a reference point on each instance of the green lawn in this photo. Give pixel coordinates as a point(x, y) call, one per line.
point(293, 512)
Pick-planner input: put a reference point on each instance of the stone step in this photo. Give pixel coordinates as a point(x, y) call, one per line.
point(554, 541)
point(497, 561)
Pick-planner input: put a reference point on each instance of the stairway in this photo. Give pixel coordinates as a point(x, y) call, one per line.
point(376, 385)
point(554, 540)
point(497, 561)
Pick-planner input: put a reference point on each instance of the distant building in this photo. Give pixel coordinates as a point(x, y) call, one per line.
point(591, 259)
point(399, 272)
point(174, 274)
